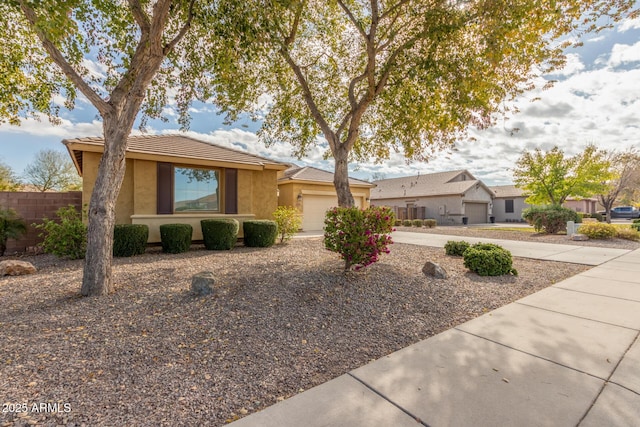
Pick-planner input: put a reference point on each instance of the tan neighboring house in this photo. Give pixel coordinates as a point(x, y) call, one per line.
point(447, 197)
point(312, 192)
point(178, 179)
point(508, 203)
point(587, 205)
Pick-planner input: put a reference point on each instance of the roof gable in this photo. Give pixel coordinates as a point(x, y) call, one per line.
point(429, 185)
point(174, 148)
point(311, 174)
point(502, 191)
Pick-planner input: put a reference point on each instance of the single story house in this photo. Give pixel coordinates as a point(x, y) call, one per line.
point(179, 179)
point(448, 197)
point(508, 203)
point(312, 192)
point(587, 205)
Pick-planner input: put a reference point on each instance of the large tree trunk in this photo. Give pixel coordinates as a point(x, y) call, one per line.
point(341, 176)
point(102, 207)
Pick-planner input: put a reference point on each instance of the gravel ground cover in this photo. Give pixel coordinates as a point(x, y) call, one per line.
point(499, 233)
point(284, 319)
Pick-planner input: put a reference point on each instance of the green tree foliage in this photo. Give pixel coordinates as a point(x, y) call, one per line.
point(52, 170)
point(8, 179)
point(375, 77)
point(123, 57)
point(65, 237)
point(288, 220)
point(550, 177)
point(11, 227)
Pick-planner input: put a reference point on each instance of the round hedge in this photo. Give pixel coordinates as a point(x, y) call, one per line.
point(220, 233)
point(259, 233)
point(130, 239)
point(456, 248)
point(175, 238)
point(487, 259)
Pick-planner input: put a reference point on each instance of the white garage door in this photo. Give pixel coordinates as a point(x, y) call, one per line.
point(476, 212)
point(314, 208)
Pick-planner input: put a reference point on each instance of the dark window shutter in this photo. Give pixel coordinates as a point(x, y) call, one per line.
point(508, 206)
point(231, 191)
point(165, 188)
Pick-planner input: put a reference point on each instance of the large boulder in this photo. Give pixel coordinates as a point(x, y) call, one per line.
point(203, 283)
point(14, 267)
point(434, 270)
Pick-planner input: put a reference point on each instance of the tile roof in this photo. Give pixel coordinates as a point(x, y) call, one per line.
point(429, 185)
point(309, 173)
point(507, 191)
point(177, 146)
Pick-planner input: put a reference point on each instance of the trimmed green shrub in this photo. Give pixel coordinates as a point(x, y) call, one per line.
point(12, 226)
point(397, 222)
point(597, 216)
point(549, 219)
point(406, 223)
point(632, 233)
point(175, 238)
point(67, 237)
point(598, 230)
point(487, 259)
point(259, 233)
point(431, 223)
point(220, 233)
point(456, 248)
point(358, 235)
point(288, 221)
point(636, 226)
point(130, 239)
point(417, 223)
point(636, 221)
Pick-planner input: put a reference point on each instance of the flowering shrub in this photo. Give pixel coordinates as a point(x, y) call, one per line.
point(358, 235)
point(288, 221)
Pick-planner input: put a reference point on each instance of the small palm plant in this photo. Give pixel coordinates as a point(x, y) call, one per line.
point(11, 227)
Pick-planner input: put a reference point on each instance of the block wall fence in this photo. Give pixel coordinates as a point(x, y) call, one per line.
point(32, 207)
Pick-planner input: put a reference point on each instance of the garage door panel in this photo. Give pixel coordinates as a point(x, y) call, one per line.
point(314, 208)
point(476, 212)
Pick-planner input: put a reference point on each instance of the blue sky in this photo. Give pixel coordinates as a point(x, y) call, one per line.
point(596, 100)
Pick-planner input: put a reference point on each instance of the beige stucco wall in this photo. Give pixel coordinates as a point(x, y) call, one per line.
point(289, 192)
point(137, 201)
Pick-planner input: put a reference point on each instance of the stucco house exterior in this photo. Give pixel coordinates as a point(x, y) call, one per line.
point(447, 197)
point(178, 179)
point(587, 205)
point(508, 203)
point(311, 191)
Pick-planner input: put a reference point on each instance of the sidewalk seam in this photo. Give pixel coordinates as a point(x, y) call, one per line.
point(417, 419)
point(594, 294)
point(578, 317)
point(607, 381)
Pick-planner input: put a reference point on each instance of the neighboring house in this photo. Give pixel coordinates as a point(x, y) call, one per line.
point(588, 205)
point(447, 197)
point(312, 192)
point(508, 203)
point(178, 179)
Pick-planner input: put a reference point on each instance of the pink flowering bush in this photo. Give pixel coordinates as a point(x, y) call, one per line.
point(358, 235)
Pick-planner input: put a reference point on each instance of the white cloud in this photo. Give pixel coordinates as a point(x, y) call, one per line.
point(573, 65)
point(66, 128)
point(629, 24)
point(624, 53)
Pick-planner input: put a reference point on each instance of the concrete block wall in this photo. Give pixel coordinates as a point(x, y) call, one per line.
point(32, 207)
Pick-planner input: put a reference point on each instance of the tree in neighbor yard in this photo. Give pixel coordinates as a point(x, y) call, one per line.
point(375, 76)
point(624, 166)
point(550, 177)
point(8, 179)
point(123, 57)
point(52, 170)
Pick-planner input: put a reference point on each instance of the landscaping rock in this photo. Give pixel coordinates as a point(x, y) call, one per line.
point(434, 270)
point(579, 237)
point(16, 268)
point(203, 283)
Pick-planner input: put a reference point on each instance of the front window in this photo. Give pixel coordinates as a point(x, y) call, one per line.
point(508, 206)
point(196, 189)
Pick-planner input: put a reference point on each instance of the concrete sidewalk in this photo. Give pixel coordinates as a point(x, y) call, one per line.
point(565, 356)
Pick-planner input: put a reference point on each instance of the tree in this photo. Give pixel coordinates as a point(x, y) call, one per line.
point(624, 168)
point(52, 170)
point(11, 227)
point(375, 76)
point(8, 179)
point(48, 49)
point(551, 177)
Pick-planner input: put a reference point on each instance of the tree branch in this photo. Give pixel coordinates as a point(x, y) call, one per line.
point(183, 31)
point(353, 19)
point(139, 15)
point(61, 61)
point(294, 28)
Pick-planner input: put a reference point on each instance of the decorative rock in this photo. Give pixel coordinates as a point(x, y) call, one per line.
point(14, 267)
point(202, 283)
point(579, 237)
point(434, 270)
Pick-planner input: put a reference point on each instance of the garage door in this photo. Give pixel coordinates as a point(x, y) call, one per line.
point(314, 208)
point(476, 212)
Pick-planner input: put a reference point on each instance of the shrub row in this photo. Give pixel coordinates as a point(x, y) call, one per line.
point(602, 230)
point(430, 223)
point(485, 259)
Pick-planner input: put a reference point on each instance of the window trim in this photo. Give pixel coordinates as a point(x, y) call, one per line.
point(219, 178)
